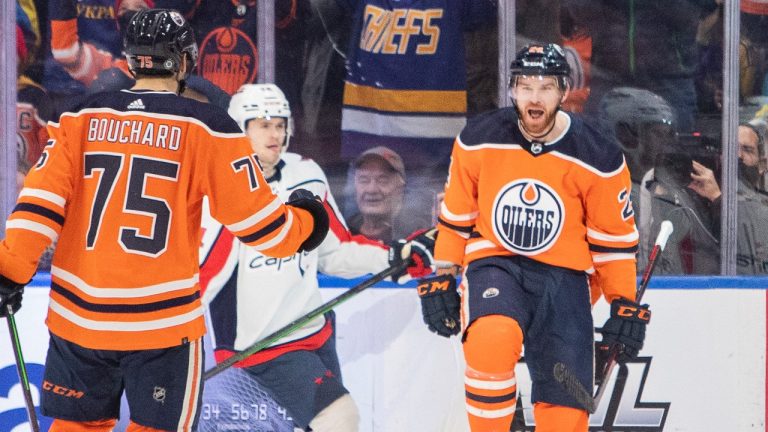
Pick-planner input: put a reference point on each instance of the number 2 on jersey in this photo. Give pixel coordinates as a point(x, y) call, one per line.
point(136, 201)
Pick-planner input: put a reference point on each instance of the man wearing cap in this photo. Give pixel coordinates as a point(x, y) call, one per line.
point(379, 182)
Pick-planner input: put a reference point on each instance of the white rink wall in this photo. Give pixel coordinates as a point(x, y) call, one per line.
point(702, 369)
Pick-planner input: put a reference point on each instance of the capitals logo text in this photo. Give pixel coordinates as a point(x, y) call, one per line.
point(527, 216)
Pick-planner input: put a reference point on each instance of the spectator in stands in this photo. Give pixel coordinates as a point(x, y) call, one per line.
point(647, 44)
point(33, 106)
point(379, 190)
point(709, 75)
point(685, 190)
point(84, 40)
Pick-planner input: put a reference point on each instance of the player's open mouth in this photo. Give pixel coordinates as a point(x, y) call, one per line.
point(535, 113)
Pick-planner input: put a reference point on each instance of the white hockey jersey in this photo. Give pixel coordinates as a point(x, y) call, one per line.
point(250, 295)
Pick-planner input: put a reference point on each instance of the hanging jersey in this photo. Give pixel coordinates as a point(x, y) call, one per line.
point(385, 102)
point(252, 295)
point(120, 186)
point(33, 108)
point(565, 203)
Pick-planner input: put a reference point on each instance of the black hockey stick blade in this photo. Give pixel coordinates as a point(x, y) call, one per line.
point(300, 322)
point(21, 369)
point(574, 388)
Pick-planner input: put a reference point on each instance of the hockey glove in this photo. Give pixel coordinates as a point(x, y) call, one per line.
point(625, 327)
point(417, 247)
point(440, 303)
point(10, 295)
point(312, 203)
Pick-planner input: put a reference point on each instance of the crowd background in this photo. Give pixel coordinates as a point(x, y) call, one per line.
point(394, 81)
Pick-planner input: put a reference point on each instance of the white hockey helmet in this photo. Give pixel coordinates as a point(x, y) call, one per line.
point(266, 101)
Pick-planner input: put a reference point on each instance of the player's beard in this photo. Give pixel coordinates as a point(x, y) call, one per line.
point(537, 120)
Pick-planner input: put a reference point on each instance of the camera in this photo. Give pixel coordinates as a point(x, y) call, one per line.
point(674, 167)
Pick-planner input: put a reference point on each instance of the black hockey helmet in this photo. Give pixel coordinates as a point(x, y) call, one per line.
point(155, 42)
point(538, 59)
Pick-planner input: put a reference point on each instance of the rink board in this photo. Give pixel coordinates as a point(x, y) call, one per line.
point(702, 369)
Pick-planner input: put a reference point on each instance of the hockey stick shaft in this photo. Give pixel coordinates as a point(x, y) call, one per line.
point(661, 241)
point(561, 372)
point(302, 321)
point(21, 369)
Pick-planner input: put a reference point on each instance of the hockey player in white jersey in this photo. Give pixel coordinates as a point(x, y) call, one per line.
point(251, 295)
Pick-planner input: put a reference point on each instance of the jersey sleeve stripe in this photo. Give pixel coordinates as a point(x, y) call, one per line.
point(124, 308)
point(123, 326)
point(488, 413)
point(601, 258)
point(263, 232)
point(256, 217)
point(490, 385)
point(41, 211)
point(627, 238)
point(32, 226)
point(43, 195)
point(463, 231)
point(145, 291)
point(599, 248)
point(447, 214)
point(278, 238)
point(478, 245)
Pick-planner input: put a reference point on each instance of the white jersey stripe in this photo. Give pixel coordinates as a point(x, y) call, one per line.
point(32, 226)
point(104, 292)
point(44, 195)
point(490, 385)
point(450, 216)
point(256, 217)
point(402, 126)
point(599, 258)
point(123, 326)
point(486, 413)
point(192, 387)
point(478, 245)
point(597, 235)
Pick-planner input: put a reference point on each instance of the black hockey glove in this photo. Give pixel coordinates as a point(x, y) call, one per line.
point(10, 295)
point(440, 304)
point(312, 203)
point(418, 247)
point(625, 327)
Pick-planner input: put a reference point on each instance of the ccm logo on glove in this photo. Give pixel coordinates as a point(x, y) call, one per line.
point(430, 286)
point(641, 314)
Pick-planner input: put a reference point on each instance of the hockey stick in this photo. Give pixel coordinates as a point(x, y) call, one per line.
point(300, 322)
point(21, 368)
point(565, 377)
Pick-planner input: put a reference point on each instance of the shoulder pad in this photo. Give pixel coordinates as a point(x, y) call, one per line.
point(495, 127)
point(591, 146)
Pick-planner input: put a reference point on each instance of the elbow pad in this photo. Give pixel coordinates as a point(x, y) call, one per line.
point(305, 200)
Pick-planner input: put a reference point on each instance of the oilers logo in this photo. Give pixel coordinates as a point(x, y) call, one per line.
point(527, 216)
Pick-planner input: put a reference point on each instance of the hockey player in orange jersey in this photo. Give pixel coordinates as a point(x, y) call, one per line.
point(120, 185)
point(536, 212)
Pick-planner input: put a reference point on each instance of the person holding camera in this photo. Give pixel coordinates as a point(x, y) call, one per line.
point(684, 189)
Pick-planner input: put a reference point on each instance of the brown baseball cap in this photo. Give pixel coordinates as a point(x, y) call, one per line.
point(392, 159)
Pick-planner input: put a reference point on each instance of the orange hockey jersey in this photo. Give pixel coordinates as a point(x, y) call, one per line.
point(565, 203)
point(119, 187)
